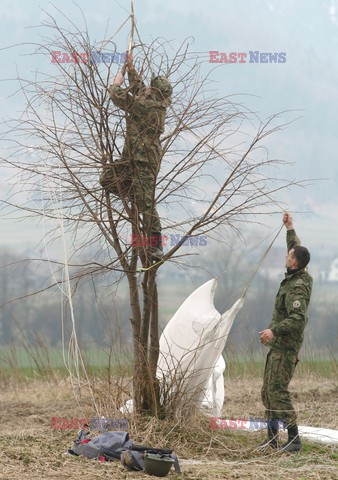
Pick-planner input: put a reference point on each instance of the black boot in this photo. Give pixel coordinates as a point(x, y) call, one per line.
point(293, 444)
point(156, 248)
point(272, 440)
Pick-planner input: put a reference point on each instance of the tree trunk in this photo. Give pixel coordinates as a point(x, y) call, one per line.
point(136, 324)
point(154, 350)
point(145, 344)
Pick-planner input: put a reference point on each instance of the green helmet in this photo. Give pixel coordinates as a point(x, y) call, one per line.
point(157, 464)
point(163, 85)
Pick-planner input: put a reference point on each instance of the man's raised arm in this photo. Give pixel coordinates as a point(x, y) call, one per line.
point(136, 85)
point(292, 239)
point(120, 96)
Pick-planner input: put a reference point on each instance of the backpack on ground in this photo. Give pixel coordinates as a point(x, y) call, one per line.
point(116, 445)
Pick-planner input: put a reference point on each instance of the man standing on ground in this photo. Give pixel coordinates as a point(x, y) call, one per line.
point(145, 109)
point(285, 337)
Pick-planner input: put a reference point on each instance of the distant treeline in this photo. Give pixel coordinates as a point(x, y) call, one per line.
point(102, 312)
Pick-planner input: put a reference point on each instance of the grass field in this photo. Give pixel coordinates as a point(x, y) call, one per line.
point(31, 449)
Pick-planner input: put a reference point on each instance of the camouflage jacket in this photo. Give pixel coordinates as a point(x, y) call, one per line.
point(290, 312)
point(145, 118)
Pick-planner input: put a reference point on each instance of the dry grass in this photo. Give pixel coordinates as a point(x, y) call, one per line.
point(29, 448)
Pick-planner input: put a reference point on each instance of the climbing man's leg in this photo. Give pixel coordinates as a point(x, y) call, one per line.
point(144, 181)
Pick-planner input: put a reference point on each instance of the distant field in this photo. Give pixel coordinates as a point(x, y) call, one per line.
point(37, 361)
point(40, 361)
point(23, 358)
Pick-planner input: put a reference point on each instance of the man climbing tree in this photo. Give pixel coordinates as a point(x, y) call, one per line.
point(145, 109)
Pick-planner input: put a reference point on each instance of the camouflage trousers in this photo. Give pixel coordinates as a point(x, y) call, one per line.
point(279, 369)
point(144, 179)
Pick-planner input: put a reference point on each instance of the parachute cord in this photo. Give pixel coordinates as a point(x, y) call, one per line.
point(259, 263)
point(73, 360)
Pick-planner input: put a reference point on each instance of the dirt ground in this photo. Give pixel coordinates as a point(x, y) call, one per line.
point(31, 449)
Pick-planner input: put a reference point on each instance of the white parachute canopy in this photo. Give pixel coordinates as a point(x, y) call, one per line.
point(191, 348)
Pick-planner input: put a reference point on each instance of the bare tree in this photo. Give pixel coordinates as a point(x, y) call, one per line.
point(215, 171)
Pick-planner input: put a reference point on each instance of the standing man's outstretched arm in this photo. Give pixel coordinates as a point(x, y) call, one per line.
point(292, 239)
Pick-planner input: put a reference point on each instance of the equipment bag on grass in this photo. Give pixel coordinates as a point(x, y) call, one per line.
point(115, 445)
point(104, 447)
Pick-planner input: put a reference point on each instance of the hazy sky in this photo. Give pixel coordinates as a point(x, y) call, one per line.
point(306, 30)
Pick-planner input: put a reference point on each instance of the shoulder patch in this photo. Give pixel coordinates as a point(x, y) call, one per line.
point(299, 282)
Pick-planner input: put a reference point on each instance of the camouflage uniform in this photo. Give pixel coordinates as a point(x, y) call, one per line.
point(145, 118)
point(288, 324)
